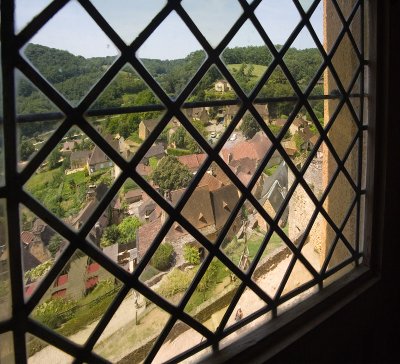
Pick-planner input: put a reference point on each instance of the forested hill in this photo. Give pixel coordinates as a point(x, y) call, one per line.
point(74, 75)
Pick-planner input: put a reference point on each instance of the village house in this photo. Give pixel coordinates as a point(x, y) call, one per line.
point(79, 158)
point(75, 282)
point(68, 147)
point(94, 197)
point(193, 161)
point(146, 127)
point(297, 125)
point(254, 149)
point(229, 113)
point(222, 86)
point(262, 109)
point(98, 160)
point(198, 113)
point(156, 150)
point(35, 246)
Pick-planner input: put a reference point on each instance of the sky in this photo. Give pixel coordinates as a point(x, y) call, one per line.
point(72, 29)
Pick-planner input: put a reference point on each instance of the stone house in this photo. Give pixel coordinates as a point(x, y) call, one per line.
point(198, 113)
point(81, 276)
point(146, 127)
point(222, 86)
point(297, 125)
point(79, 158)
point(35, 246)
point(98, 160)
point(156, 150)
point(146, 235)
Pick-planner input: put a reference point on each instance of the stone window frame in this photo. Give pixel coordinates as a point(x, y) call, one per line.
point(20, 323)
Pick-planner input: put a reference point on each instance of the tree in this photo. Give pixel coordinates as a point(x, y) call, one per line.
point(110, 236)
point(27, 149)
point(171, 174)
point(249, 126)
point(179, 137)
point(127, 229)
point(54, 157)
point(55, 244)
point(162, 258)
point(191, 254)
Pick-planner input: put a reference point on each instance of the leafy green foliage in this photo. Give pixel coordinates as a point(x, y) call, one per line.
point(171, 174)
point(124, 233)
point(162, 258)
point(55, 244)
point(26, 149)
point(54, 158)
point(39, 271)
point(175, 282)
point(191, 254)
point(209, 280)
point(128, 228)
point(54, 312)
point(249, 126)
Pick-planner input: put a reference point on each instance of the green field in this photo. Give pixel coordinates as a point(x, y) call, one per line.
point(257, 72)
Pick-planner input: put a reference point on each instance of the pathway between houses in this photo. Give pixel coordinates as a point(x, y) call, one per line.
point(248, 303)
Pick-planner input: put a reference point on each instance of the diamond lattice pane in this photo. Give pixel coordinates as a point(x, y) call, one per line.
point(278, 18)
point(340, 198)
point(128, 18)
point(26, 10)
point(273, 264)
point(345, 71)
point(82, 53)
point(248, 303)
point(77, 299)
point(208, 18)
point(303, 48)
point(132, 331)
point(299, 276)
point(217, 283)
point(38, 351)
point(7, 347)
point(170, 164)
point(41, 246)
point(5, 284)
point(174, 264)
point(184, 56)
point(73, 179)
point(181, 338)
point(32, 135)
point(247, 146)
point(212, 121)
point(272, 187)
point(247, 57)
point(242, 245)
point(211, 204)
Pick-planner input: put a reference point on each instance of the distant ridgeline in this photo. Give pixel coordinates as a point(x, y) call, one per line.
point(73, 76)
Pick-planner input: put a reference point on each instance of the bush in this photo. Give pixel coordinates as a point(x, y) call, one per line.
point(162, 258)
point(39, 271)
point(191, 254)
point(175, 282)
point(54, 312)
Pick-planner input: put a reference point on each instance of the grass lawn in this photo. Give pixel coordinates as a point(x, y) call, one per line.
point(257, 72)
point(235, 249)
point(41, 178)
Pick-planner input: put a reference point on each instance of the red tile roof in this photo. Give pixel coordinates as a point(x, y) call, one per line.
point(193, 161)
point(146, 235)
point(27, 237)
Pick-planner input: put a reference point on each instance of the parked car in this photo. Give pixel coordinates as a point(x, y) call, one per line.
point(213, 134)
point(233, 137)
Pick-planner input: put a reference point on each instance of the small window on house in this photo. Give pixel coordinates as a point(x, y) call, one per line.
point(246, 136)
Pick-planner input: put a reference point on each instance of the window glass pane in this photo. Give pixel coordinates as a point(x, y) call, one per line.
point(206, 157)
